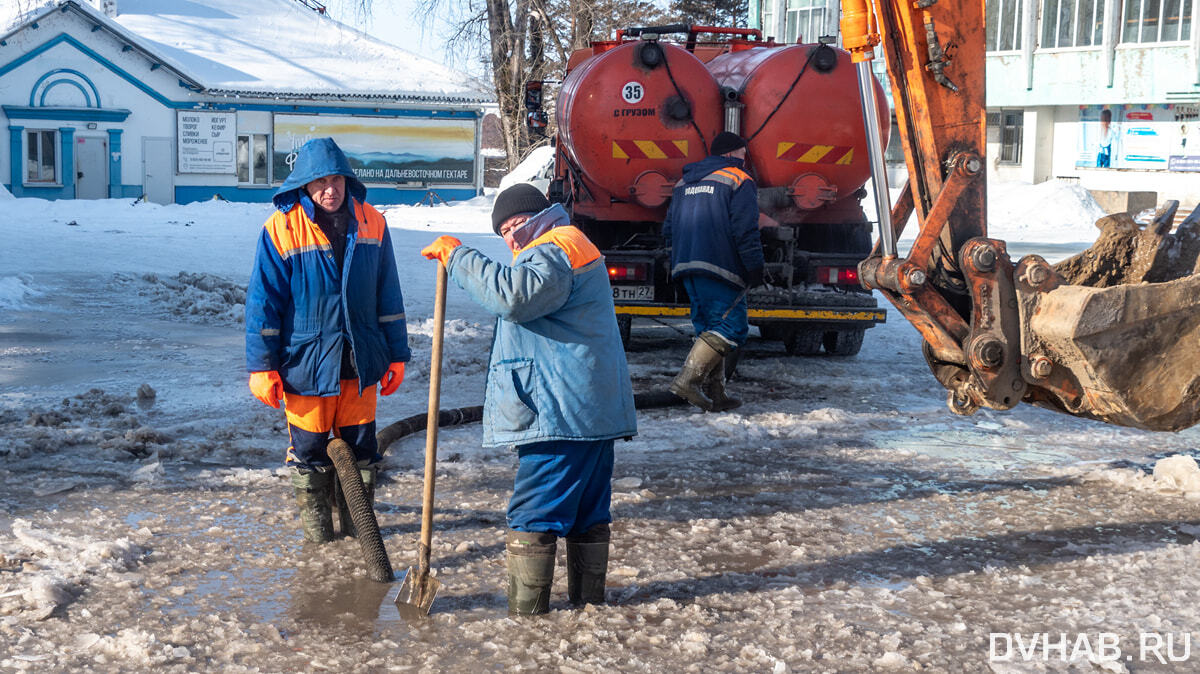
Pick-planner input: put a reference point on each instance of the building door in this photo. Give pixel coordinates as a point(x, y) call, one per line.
point(158, 171)
point(91, 167)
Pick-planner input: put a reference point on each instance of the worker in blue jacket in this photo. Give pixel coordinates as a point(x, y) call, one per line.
point(712, 229)
point(557, 388)
point(325, 324)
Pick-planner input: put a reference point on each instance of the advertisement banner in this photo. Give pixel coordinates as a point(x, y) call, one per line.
point(206, 141)
point(384, 150)
point(1153, 137)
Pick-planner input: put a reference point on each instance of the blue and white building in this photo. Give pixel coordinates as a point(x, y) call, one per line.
point(1053, 68)
point(185, 100)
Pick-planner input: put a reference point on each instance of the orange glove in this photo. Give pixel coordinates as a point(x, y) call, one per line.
point(440, 250)
point(392, 379)
point(267, 387)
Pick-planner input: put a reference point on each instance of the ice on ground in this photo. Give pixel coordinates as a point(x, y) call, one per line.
point(62, 566)
point(841, 520)
point(1180, 472)
point(196, 297)
point(16, 291)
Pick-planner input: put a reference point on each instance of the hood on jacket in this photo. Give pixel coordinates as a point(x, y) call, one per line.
point(317, 158)
point(697, 171)
point(539, 224)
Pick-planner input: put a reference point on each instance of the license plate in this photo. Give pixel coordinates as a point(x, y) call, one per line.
point(634, 293)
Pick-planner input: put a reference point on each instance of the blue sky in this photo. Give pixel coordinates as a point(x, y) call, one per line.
point(393, 21)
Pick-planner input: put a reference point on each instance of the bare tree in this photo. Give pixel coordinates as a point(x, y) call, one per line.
point(525, 41)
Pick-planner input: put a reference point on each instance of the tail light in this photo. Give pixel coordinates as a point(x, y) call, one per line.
point(837, 275)
point(629, 271)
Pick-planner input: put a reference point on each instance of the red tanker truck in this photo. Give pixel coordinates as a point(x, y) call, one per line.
point(633, 111)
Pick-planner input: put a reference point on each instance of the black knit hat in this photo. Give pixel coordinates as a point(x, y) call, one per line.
point(727, 142)
point(520, 198)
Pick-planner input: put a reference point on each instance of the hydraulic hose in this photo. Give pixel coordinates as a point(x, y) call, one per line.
point(469, 415)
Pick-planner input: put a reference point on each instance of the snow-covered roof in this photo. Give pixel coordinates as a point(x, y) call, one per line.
point(278, 48)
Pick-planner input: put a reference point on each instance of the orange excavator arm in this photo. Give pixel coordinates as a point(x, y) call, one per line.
point(1122, 347)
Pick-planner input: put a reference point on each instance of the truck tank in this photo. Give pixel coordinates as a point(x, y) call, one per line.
point(803, 124)
point(632, 113)
point(629, 117)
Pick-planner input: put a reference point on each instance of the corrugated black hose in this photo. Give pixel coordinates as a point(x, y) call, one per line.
point(469, 415)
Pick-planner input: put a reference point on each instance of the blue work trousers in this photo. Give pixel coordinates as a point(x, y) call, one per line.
point(562, 487)
point(711, 299)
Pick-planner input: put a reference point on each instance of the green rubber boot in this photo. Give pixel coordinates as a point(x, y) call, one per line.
point(714, 388)
point(530, 572)
point(370, 474)
point(587, 565)
point(708, 352)
point(313, 489)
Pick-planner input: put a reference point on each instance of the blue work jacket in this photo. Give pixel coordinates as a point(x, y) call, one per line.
point(557, 369)
point(712, 222)
point(300, 309)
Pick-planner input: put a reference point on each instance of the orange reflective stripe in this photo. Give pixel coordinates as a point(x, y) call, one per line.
point(293, 232)
point(579, 249)
point(737, 175)
point(321, 414)
point(370, 223)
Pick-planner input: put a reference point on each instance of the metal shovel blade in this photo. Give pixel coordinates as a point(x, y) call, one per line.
point(416, 593)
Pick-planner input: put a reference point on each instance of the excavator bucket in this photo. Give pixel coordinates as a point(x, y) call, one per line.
point(1114, 332)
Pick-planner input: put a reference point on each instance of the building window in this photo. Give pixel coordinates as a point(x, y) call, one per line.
point(805, 20)
point(41, 156)
point(252, 164)
point(1003, 23)
point(1072, 23)
point(1157, 21)
point(1006, 127)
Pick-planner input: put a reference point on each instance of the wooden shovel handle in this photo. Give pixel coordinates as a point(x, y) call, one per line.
point(431, 427)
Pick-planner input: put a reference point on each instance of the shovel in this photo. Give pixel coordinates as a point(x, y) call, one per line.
point(418, 588)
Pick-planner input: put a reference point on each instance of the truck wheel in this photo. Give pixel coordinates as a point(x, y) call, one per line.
point(379, 568)
point(625, 327)
point(843, 342)
point(803, 342)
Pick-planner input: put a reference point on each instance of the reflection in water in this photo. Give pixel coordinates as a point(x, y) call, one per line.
point(326, 599)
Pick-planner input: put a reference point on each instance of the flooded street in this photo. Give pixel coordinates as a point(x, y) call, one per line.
point(842, 520)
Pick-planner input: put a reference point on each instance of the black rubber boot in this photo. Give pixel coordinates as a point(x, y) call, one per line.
point(587, 565)
point(370, 473)
point(714, 388)
point(313, 489)
point(708, 352)
point(530, 572)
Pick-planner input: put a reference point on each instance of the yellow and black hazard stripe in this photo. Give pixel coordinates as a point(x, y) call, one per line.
point(807, 153)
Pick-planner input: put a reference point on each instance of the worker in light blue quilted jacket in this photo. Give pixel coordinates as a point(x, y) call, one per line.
point(558, 389)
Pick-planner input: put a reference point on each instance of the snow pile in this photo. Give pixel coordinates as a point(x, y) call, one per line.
point(5, 195)
point(15, 291)
point(1178, 474)
point(536, 169)
point(470, 216)
point(102, 425)
point(54, 568)
point(201, 298)
point(1055, 211)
